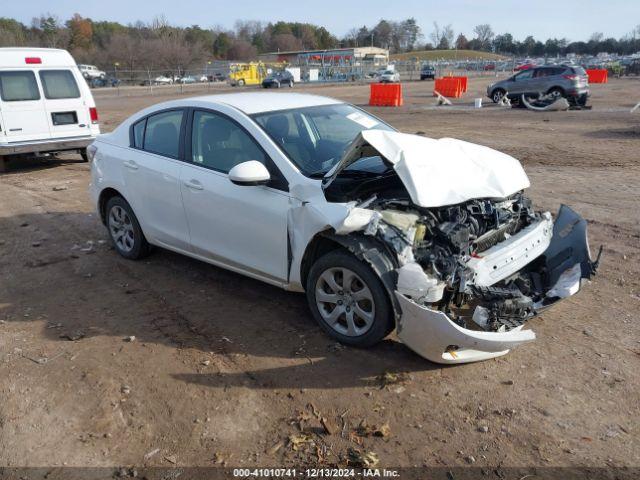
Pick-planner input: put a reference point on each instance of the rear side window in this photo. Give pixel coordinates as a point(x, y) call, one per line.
point(18, 86)
point(58, 84)
point(138, 133)
point(162, 135)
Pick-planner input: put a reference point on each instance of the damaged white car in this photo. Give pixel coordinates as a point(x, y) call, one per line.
point(383, 230)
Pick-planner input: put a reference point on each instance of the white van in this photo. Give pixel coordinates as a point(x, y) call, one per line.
point(45, 104)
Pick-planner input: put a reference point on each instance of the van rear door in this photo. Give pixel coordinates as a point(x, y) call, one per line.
point(22, 107)
point(67, 111)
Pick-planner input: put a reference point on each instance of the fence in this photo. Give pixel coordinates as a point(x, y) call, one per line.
point(211, 76)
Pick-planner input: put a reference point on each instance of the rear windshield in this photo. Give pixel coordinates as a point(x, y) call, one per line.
point(59, 84)
point(18, 86)
point(579, 71)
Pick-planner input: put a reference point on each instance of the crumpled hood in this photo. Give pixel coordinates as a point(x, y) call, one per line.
point(440, 172)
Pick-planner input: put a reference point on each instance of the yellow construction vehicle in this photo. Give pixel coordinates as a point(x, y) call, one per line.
point(247, 73)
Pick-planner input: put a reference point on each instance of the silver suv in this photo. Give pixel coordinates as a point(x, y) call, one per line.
point(567, 81)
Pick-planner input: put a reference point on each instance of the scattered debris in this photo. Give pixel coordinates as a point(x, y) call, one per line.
point(636, 107)
point(470, 459)
point(206, 363)
point(171, 459)
point(276, 447)
point(130, 338)
point(389, 378)
point(328, 427)
point(365, 430)
point(508, 382)
point(442, 100)
point(150, 454)
point(36, 244)
point(483, 429)
point(359, 459)
point(59, 188)
point(126, 389)
point(300, 441)
point(73, 336)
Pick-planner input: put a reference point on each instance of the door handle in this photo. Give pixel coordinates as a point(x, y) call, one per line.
point(130, 164)
point(194, 185)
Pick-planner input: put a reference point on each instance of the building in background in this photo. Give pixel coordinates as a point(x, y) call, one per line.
point(355, 57)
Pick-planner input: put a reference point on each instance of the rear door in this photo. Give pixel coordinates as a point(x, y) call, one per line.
point(66, 110)
point(22, 107)
point(151, 171)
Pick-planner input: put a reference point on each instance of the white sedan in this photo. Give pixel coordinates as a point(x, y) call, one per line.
point(383, 230)
point(389, 76)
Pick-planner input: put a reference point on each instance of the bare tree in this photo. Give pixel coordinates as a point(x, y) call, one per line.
point(484, 35)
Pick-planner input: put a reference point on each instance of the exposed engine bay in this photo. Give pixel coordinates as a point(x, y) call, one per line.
point(458, 245)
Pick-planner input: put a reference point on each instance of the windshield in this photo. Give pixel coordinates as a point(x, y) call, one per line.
point(314, 138)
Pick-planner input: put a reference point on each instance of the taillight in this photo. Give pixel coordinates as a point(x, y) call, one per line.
point(32, 60)
point(93, 113)
point(570, 77)
point(91, 152)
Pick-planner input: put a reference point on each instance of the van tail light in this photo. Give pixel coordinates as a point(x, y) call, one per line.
point(91, 152)
point(32, 60)
point(93, 113)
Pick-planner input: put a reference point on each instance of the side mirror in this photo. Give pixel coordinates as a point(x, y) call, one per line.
point(249, 173)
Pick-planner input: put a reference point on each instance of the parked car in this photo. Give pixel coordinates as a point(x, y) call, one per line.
point(217, 77)
point(570, 82)
point(278, 79)
point(427, 71)
point(90, 72)
point(187, 79)
point(45, 103)
point(389, 76)
point(163, 80)
point(523, 66)
point(489, 67)
point(203, 78)
point(312, 194)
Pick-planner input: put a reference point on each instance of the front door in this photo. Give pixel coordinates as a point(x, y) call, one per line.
point(22, 107)
point(243, 227)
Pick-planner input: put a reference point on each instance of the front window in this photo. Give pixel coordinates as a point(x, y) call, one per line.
point(314, 138)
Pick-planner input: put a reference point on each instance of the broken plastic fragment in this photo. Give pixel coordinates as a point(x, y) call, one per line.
point(568, 284)
point(422, 288)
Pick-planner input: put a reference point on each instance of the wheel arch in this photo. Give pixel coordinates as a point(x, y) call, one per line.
point(366, 249)
point(106, 195)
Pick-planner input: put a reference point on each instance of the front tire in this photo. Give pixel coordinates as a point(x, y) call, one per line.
point(497, 95)
point(124, 230)
point(348, 300)
point(241, 82)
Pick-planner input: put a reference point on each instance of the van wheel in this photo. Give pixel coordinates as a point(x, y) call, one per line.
point(3, 164)
point(348, 300)
point(124, 230)
point(83, 154)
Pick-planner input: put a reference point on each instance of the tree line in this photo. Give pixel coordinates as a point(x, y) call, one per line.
point(160, 45)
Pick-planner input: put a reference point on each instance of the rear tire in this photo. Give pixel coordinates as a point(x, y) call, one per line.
point(556, 92)
point(124, 230)
point(356, 309)
point(3, 164)
point(83, 154)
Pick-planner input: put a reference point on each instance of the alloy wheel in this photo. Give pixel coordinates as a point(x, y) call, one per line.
point(345, 302)
point(121, 229)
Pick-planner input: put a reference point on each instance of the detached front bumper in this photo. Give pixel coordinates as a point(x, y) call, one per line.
point(566, 262)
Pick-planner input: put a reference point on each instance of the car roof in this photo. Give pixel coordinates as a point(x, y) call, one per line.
point(259, 102)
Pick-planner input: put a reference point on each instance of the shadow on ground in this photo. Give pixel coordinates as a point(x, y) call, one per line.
point(58, 268)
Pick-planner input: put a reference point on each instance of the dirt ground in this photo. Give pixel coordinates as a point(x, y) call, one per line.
point(225, 370)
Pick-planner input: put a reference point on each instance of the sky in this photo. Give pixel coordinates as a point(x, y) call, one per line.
point(575, 20)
